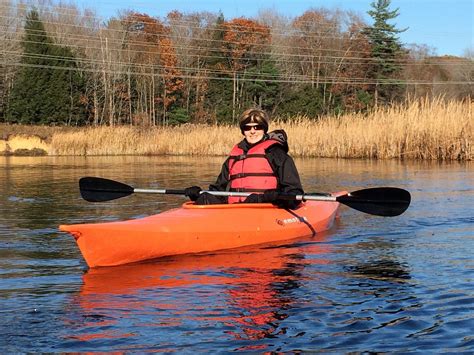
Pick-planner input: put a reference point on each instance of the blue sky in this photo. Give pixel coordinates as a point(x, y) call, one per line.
point(445, 25)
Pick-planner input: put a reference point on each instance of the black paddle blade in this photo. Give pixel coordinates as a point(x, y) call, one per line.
point(379, 201)
point(94, 189)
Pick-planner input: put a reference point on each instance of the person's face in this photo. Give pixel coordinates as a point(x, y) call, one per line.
point(253, 132)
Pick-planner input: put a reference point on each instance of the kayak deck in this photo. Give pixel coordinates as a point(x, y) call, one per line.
point(198, 228)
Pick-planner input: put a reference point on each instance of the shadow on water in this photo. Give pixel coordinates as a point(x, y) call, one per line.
point(386, 270)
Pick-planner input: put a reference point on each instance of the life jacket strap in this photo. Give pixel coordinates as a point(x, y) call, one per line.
point(245, 156)
point(243, 175)
point(242, 189)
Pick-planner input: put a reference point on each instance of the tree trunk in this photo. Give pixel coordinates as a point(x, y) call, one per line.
point(234, 94)
point(129, 98)
point(152, 98)
point(164, 102)
point(376, 95)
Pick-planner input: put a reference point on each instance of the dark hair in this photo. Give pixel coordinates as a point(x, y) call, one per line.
point(254, 115)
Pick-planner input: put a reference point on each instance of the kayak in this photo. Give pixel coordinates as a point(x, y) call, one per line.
point(197, 229)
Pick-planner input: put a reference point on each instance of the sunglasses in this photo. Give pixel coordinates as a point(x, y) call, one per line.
point(257, 127)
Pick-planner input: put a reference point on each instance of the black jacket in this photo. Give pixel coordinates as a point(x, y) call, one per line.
point(281, 163)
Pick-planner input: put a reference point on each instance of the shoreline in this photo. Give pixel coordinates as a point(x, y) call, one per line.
point(419, 130)
point(31, 145)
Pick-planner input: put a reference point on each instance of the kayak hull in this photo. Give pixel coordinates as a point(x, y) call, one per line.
point(195, 229)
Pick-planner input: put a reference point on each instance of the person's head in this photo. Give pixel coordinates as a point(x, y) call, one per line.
point(254, 124)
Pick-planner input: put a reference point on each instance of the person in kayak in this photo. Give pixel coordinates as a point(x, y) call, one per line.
point(259, 164)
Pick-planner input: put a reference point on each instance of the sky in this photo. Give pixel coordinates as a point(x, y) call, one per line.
point(447, 26)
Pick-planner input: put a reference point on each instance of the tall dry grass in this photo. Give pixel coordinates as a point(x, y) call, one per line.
point(435, 130)
point(425, 129)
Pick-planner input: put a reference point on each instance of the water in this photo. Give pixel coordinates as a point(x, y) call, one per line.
point(370, 284)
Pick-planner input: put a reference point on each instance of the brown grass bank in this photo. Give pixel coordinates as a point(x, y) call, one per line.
point(27, 140)
point(432, 130)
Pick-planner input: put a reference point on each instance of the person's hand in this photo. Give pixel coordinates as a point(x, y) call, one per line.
point(192, 192)
point(270, 196)
point(254, 198)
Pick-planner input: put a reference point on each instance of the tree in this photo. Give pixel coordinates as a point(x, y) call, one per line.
point(350, 87)
point(260, 86)
point(154, 54)
point(243, 39)
point(386, 50)
point(10, 38)
point(47, 88)
point(218, 96)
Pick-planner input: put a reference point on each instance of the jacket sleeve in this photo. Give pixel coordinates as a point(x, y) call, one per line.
point(222, 180)
point(287, 174)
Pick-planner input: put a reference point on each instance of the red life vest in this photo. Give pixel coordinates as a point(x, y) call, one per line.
point(251, 171)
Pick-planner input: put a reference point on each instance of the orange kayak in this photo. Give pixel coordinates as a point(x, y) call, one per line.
point(196, 228)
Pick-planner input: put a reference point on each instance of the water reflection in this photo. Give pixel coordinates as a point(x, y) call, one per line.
point(247, 293)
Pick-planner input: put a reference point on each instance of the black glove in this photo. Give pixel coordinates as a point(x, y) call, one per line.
point(254, 198)
point(270, 196)
point(192, 192)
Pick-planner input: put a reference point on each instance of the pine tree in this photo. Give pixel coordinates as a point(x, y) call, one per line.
point(28, 95)
point(47, 88)
point(64, 89)
point(260, 86)
point(387, 50)
point(219, 92)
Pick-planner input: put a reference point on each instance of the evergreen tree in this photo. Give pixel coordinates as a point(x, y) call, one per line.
point(65, 89)
point(47, 88)
point(219, 93)
point(387, 50)
point(262, 89)
point(302, 100)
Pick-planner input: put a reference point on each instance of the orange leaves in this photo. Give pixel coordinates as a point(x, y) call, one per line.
point(242, 39)
point(144, 35)
point(152, 46)
point(171, 74)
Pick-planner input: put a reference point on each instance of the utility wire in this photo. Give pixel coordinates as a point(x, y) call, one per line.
point(342, 37)
point(321, 80)
point(61, 10)
point(306, 57)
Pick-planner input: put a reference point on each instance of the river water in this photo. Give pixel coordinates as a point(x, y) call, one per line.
point(396, 284)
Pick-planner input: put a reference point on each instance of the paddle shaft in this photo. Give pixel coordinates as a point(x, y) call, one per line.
point(236, 194)
point(307, 197)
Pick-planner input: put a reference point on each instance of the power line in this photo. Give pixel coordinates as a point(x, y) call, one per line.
point(278, 57)
point(116, 63)
point(352, 60)
point(61, 9)
point(341, 37)
point(212, 41)
point(322, 80)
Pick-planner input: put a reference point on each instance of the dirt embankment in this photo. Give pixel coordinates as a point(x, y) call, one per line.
point(23, 144)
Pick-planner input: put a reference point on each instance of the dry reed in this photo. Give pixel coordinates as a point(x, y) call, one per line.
point(425, 129)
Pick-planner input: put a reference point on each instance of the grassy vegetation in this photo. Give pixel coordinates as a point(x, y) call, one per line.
point(432, 130)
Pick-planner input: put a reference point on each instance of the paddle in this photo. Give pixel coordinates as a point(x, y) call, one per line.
point(379, 201)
